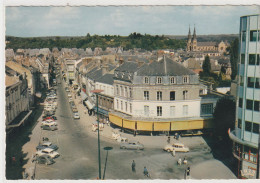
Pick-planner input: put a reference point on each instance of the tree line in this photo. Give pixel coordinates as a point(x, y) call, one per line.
point(134, 40)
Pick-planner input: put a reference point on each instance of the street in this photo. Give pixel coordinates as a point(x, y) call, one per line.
point(79, 160)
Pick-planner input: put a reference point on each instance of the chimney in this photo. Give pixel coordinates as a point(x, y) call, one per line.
point(104, 69)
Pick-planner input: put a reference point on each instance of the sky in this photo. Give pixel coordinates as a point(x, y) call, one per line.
point(123, 20)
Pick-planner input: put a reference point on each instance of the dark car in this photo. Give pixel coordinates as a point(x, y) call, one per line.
point(44, 159)
point(131, 145)
point(47, 144)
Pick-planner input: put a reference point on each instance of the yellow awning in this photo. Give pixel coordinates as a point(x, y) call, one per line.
point(129, 124)
point(145, 126)
point(115, 120)
point(161, 126)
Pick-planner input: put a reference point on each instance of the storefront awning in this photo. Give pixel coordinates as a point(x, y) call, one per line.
point(19, 119)
point(83, 95)
point(89, 105)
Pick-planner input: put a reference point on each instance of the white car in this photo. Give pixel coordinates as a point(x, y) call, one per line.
point(76, 115)
point(49, 122)
point(178, 147)
point(69, 95)
point(48, 151)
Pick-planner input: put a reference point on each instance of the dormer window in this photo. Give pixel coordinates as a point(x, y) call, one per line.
point(185, 79)
point(122, 75)
point(159, 80)
point(116, 74)
point(172, 80)
point(146, 80)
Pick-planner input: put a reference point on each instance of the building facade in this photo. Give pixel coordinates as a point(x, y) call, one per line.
point(193, 45)
point(246, 133)
point(159, 96)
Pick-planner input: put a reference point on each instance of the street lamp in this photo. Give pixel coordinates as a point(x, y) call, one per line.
point(99, 163)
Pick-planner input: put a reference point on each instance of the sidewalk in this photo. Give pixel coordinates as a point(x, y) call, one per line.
point(146, 140)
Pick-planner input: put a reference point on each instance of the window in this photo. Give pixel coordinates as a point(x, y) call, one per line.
point(249, 104)
point(146, 80)
point(244, 36)
point(250, 82)
point(248, 126)
point(172, 95)
point(125, 106)
point(255, 128)
point(253, 59)
point(130, 92)
point(126, 92)
point(253, 35)
point(241, 80)
point(159, 95)
point(239, 123)
point(146, 110)
point(242, 58)
point(117, 90)
point(159, 80)
point(185, 94)
point(185, 79)
point(172, 111)
point(185, 110)
point(172, 80)
point(130, 108)
point(206, 109)
point(122, 91)
point(146, 95)
point(256, 105)
point(240, 102)
point(159, 110)
point(121, 105)
point(257, 83)
point(117, 104)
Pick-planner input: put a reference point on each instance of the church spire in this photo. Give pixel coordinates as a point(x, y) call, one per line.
point(189, 34)
point(194, 33)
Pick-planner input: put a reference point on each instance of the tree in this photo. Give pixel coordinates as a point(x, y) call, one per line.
point(234, 57)
point(206, 66)
point(224, 116)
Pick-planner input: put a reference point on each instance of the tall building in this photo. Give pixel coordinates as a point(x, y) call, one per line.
point(246, 133)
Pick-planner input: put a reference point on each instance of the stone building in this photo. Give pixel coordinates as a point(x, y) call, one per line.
point(160, 96)
point(195, 46)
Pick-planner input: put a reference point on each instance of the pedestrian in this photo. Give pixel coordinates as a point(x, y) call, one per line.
point(178, 136)
point(146, 172)
point(173, 152)
point(107, 122)
point(169, 139)
point(188, 171)
point(179, 161)
point(133, 166)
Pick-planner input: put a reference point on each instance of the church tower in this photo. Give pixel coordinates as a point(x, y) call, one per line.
point(189, 45)
point(194, 40)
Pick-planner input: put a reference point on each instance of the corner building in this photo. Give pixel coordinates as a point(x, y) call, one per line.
point(160, 96)
point(246, 133)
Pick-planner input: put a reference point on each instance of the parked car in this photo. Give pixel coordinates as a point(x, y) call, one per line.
point(70, 100)
point(76, 115)
point(191, 133)
point(178, 147)
point(49, 117)
point(47, 145)
point(48, 151)
point(44, 159)
point(67, 89)
point(131, 145)
point(49, 127)
point(69, 95)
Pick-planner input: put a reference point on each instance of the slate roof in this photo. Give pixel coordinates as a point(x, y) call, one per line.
point(164, 67)
point(207, 44)
point(106, 78)
point(128, 66)
point(96, 72)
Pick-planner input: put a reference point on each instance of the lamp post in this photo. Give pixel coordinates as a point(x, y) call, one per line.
point(99, 162)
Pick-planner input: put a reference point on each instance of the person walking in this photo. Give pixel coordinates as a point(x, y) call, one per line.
point(173, 152)
point(133, 166)
point(169, 140)
point(188, 172)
